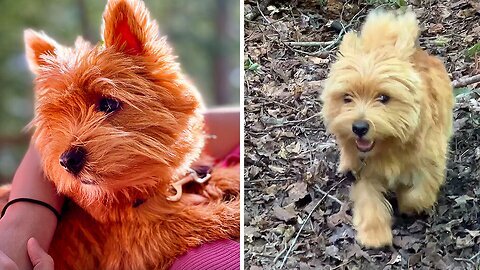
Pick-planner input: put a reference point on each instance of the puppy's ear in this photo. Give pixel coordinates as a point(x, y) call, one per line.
point(350, 44)
point(37, 46)
point(384, 28)
point(127, 26)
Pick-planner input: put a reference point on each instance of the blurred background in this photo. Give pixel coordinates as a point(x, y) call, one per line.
point(205, 35)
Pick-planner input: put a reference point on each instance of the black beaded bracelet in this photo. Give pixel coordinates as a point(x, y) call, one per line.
point(51, 208)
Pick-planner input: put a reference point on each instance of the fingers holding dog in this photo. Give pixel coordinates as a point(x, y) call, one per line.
point(39, 257)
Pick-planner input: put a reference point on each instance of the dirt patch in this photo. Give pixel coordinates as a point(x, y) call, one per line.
point(290, 161)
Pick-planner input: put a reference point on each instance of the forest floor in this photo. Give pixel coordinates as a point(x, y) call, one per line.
point(290, 161)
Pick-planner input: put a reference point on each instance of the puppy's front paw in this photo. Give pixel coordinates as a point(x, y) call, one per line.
point(344, 164)
point(376, 236)
point(407, 209)
point(413, 202)
point(342, 169)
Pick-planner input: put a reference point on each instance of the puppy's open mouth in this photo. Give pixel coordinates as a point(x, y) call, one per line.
point(364, 145)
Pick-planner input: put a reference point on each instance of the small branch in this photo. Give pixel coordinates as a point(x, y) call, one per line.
point(474, 256)
point(287, 123)
point(464, 260)
point(333, 43)
point(271, 180)
point(272, 101)
point(466, 81)
point(281, 252)
point(317, 188)
point(255, 12)
point(309, 43)
point(305, 222)
point(341, 265)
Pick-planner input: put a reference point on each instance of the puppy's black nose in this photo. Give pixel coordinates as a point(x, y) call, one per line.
point(360, 127)
point(73, 159)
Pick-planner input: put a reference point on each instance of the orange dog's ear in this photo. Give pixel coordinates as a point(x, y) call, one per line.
point(37, 46)
point(127, 26)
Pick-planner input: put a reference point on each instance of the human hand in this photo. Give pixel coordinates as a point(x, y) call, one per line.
point(39, 258)
point(6, 263)
point(24, 220)
point(14, 234)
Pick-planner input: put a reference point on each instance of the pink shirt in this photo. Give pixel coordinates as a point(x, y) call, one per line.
point(217, 255)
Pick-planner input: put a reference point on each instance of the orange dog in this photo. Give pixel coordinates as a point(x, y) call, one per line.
point(116, 125)
point(389, 104)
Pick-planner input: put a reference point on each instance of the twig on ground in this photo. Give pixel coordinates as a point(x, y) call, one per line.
point(317, 188)
point(281, 252)
point(305, 222)
point(302, 120)
point(272, 180)
point(287, 123)
point(474, 256)
point(466, 81)
point(323, 50)
point(464, 260)
point(308, 43)
point(266, 2)
point(252, 16)
point(336, 41)
point(341, 265)
point(273, 101)
point(263, 255)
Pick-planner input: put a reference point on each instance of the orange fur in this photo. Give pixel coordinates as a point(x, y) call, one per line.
point(409, 133)
point(132, 154)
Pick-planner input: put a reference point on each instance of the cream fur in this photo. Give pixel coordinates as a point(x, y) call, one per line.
point(411, 131)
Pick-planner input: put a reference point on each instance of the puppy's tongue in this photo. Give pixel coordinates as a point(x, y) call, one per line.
point(364, 145)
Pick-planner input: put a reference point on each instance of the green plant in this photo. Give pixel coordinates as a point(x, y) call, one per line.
point(322, 2)
point(472, 51)
point(250, 65)
point(464, 92)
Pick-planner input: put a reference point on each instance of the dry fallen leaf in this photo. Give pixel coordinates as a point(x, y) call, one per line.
point(473, 233)
point(463, 199)
point(340, 217)
point(298, 191)
point(396, 258)
point(464, 242)
point(276, 169)
point(285, 213)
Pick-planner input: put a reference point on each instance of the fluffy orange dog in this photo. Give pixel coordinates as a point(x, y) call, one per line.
point(116, 124)
point(389, 104)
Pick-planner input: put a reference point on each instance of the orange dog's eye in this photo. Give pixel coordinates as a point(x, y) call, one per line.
point(383, 98)
point(347, 98)
point(108, 105)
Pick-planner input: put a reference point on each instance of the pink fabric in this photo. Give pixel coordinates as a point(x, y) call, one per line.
point(232, 159)
point(218, 255)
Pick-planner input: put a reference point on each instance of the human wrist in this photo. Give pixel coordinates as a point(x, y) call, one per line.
point(32, 201)
point(22, 221)
point(23, 212)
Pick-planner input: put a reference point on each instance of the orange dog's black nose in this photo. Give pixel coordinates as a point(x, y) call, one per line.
point(360, 127)
point(73, 159)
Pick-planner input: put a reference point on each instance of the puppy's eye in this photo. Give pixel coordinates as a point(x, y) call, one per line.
point(383, 98)
point(347, 98)
point(108, 105)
